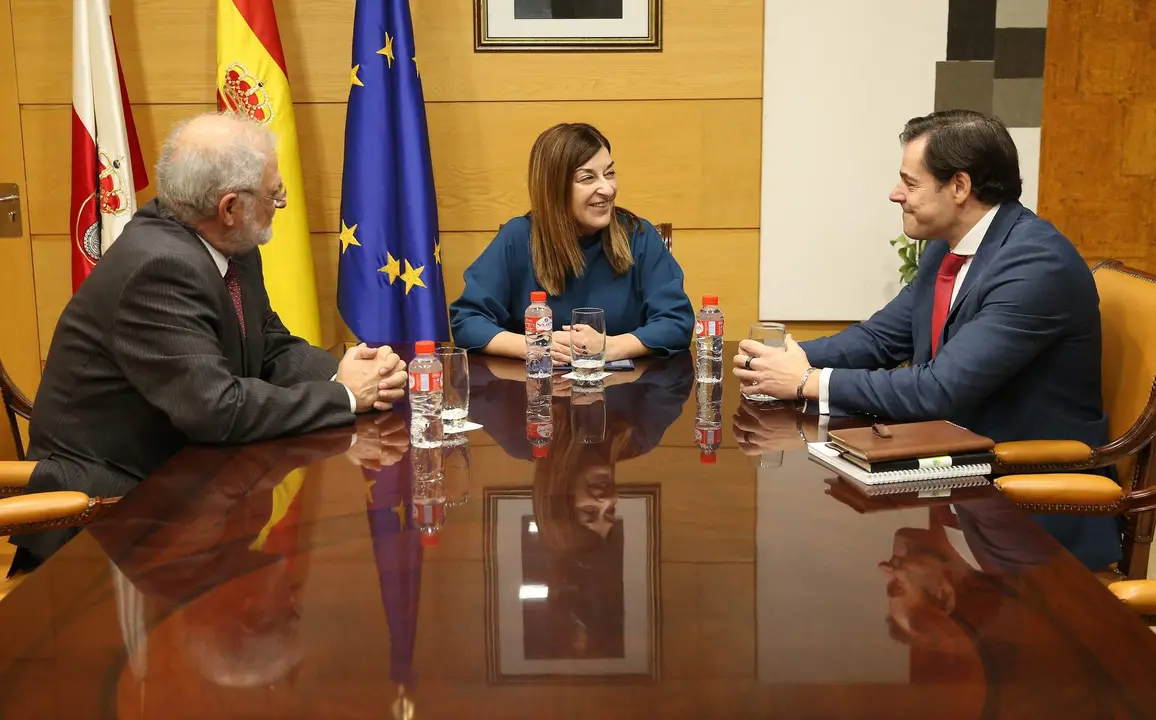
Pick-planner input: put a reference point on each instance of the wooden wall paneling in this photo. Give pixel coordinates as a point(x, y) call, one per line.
point(19, 343)
point(1098, 156)
point(711, 49)
point(693, 164)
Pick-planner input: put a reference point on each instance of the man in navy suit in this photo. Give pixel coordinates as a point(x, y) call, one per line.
point(1000, 328)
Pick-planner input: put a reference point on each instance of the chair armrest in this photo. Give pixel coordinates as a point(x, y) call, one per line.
point(1139, 595)
point(1043, 452)
point(1072, 489)
point(14, 476)
point(40, 510)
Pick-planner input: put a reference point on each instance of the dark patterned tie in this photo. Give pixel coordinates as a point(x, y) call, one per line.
point(233, 285)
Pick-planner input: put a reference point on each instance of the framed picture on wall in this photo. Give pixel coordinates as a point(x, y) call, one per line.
point(566, 604)
point(567, 25)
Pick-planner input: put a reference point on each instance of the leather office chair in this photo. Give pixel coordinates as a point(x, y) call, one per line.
point(50, 510)
point(1051, 475)
point(666, 232)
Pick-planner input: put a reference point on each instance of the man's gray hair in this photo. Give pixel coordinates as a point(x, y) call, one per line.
point(208, 156)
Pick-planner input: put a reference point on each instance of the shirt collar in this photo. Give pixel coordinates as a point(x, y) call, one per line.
point(969, 245)
point(221, 261)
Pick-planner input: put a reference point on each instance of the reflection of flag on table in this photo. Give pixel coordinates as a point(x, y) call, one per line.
point(389, 278)
point(398, 555)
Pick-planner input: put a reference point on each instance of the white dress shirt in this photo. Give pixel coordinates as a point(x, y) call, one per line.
point(223, 266)
point(967, 247)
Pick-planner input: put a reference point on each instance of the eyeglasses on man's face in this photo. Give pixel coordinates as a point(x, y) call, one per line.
point(279, 200)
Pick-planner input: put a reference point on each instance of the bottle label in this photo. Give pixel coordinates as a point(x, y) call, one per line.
point(425, 382)
point(708, 328)
point(708, 437)
point(539, 431)
point(539, 324)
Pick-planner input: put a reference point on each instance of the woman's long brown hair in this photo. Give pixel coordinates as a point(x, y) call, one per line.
point(554, 250)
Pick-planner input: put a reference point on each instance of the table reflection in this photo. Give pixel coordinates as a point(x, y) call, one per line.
point(572, 561)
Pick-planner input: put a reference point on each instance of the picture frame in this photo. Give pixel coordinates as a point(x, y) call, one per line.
point(598, 623)
point(567, 25)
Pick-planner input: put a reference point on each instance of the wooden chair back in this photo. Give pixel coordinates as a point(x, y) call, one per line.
point(15, 405)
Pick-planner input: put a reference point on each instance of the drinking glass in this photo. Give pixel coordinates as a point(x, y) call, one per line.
point(587, 343)
point(773, 335)
point(455, 388)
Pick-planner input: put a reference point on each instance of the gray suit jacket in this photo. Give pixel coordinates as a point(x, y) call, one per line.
point(148, 356)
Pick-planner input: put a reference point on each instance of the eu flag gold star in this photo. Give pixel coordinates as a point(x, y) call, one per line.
point(399, 510)
point(369, 491)
point(387, 51)
point(437, 251)
point(416, 67)
point(392, 267)
point(347, 237)
point(353, 79)
point(412, 277)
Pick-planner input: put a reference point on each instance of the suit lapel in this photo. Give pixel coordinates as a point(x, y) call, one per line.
point(992, 241)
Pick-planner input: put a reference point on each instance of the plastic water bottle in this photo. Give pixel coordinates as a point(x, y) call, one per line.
point(708, 341)
point(425, 439)
point(708, 420)
point(539, 415)
point(425, 398)
point(539, 329)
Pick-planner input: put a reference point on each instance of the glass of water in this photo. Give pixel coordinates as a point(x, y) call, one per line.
point(587, 343)
point(773, 335)
point(455, 388)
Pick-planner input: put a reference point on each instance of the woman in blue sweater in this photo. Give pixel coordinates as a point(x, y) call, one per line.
point(583, 251)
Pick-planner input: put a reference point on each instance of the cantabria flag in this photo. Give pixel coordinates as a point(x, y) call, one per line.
point(252, 81)
point(107, 168)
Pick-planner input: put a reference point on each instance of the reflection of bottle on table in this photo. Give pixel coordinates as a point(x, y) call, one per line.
point(708, 420)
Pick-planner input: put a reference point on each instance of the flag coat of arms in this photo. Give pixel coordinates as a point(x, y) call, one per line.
point(389, 282)
point(107, 166)
point(252, 81)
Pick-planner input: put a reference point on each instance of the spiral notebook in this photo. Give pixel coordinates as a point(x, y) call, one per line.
point(923, 479)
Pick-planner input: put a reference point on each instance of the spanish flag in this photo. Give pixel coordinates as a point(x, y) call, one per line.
point(252, 81)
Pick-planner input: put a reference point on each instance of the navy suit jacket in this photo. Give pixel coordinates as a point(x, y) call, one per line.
point(1020, 354)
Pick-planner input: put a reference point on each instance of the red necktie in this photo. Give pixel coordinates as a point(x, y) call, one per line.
point(944, 284)
point(233, 285)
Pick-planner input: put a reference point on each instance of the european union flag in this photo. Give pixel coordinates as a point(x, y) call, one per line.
point(389, 279)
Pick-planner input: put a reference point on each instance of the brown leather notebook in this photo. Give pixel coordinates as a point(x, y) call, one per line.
point(904, 441)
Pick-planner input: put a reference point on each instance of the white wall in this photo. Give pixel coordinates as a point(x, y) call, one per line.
point(840, 78)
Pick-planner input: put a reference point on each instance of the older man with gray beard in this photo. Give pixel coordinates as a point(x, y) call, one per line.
point(171, 339)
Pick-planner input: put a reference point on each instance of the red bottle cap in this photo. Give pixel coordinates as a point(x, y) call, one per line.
point(424, 347)
point(707, 458)
point(540, 451)
point(430, 539)
point(537, 296)
point(710, 299)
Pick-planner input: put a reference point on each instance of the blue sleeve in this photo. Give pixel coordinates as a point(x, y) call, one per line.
point(484, 309)
point(668, 316)
point(1035, 298)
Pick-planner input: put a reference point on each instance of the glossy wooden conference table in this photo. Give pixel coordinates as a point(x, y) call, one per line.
point(618, 576)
